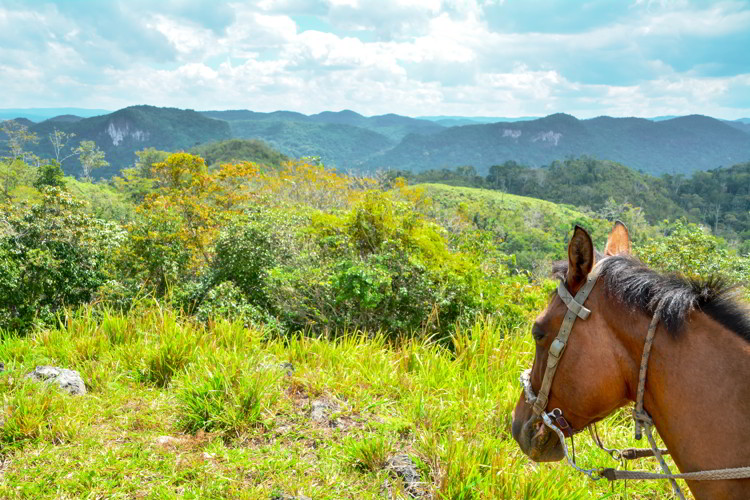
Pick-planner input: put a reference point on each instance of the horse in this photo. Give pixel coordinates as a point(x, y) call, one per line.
point(696, 387)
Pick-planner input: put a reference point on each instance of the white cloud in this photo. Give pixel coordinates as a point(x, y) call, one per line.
point(412, 57)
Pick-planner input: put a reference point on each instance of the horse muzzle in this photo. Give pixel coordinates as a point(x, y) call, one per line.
point(536, 440)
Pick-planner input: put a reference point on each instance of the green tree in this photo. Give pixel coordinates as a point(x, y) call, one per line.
point(50, 174)
point(17, 137)
point(52, 255)
point(91, 158)
point(13, 172)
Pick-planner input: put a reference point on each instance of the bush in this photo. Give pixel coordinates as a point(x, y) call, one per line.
point(226, 301)
point(52, 255)
point(379, 266)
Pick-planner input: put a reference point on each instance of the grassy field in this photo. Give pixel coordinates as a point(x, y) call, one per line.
point(179, 410)
point(530, 229)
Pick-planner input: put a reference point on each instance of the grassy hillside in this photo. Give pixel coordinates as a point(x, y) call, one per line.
point(287, 333)
point(528, 228)
point(177, 410)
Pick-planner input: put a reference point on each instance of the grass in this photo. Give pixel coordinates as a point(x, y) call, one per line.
point(178, 410)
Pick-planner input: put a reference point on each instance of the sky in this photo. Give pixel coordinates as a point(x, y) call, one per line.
point(504, 58)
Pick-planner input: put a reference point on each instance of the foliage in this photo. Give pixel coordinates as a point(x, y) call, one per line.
point(14, 172)
point(178, 222)
point(17, 137)
point(91, 158)
point(54, 255)
point(137, 182)
point(50, 174)
point(227, 301)
point(691, 250)
point(59, 141)
point(239, 150)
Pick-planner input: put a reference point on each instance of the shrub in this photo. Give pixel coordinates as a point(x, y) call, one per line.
point(226, 301)
point(52, 255)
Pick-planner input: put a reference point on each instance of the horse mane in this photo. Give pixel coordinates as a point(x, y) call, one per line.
point(628, 280)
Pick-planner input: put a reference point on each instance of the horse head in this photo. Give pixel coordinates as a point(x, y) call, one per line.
point(589, 382)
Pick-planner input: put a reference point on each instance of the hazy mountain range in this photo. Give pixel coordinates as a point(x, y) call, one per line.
point(349, 140)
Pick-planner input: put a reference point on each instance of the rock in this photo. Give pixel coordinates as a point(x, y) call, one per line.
point(68, 380)
point(166, 441)
point(286, 367)
point(320, 409)
point(403, 466)
point(2, 366)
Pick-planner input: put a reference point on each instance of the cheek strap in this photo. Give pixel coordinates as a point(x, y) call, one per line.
point(556, 349)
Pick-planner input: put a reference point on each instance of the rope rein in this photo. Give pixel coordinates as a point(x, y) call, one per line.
point(555, 420)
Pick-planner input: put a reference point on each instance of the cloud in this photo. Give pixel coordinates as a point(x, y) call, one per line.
point(469, 57)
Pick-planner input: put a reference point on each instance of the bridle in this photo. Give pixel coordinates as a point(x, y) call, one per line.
point(555, 419)
point(557, 423)
point(576, 309)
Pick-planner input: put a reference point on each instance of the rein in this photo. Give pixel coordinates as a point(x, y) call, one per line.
point(557, 423)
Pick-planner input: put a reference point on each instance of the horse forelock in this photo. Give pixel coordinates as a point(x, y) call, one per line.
point(628, 280)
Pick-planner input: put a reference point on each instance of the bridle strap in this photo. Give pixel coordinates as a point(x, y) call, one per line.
point(556, 349)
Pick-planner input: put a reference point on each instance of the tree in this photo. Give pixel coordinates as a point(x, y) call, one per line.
point(91, 158)
point(18, 136)
point(52, 255)
point(50, 174)
point(59, 140)
point(180, 220)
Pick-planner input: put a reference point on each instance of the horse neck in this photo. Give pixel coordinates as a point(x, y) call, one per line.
point(698, 395)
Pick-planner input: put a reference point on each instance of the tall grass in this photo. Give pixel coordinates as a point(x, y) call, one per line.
point(238, 427)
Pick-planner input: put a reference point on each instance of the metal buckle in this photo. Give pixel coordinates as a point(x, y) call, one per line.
point(556, 348)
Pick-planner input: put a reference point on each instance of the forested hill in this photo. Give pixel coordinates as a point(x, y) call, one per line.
point(122, 133)
point(718, 198)
point(679, 145)
point(352, 142)
point(392, 126)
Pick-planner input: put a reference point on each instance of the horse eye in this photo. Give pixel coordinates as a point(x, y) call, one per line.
point(537, 333)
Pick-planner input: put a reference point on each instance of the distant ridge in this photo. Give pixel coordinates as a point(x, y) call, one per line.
point(131, 129)
point(677, 145)
point(41, 114)
point(350, 141)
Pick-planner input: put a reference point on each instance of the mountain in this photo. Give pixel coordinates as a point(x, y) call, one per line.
point(122, 133)
point(678, 145)
point(454, 121)
point(394, 127)
point(65, 118)
point(741, 124)
point(349, 140)
point(342, 146)
point(41, 114)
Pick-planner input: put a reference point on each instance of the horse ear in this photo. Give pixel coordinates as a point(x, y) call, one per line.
point(580, 258)
point(618, 241)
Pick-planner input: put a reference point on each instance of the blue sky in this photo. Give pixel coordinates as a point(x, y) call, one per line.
point(413, 57)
